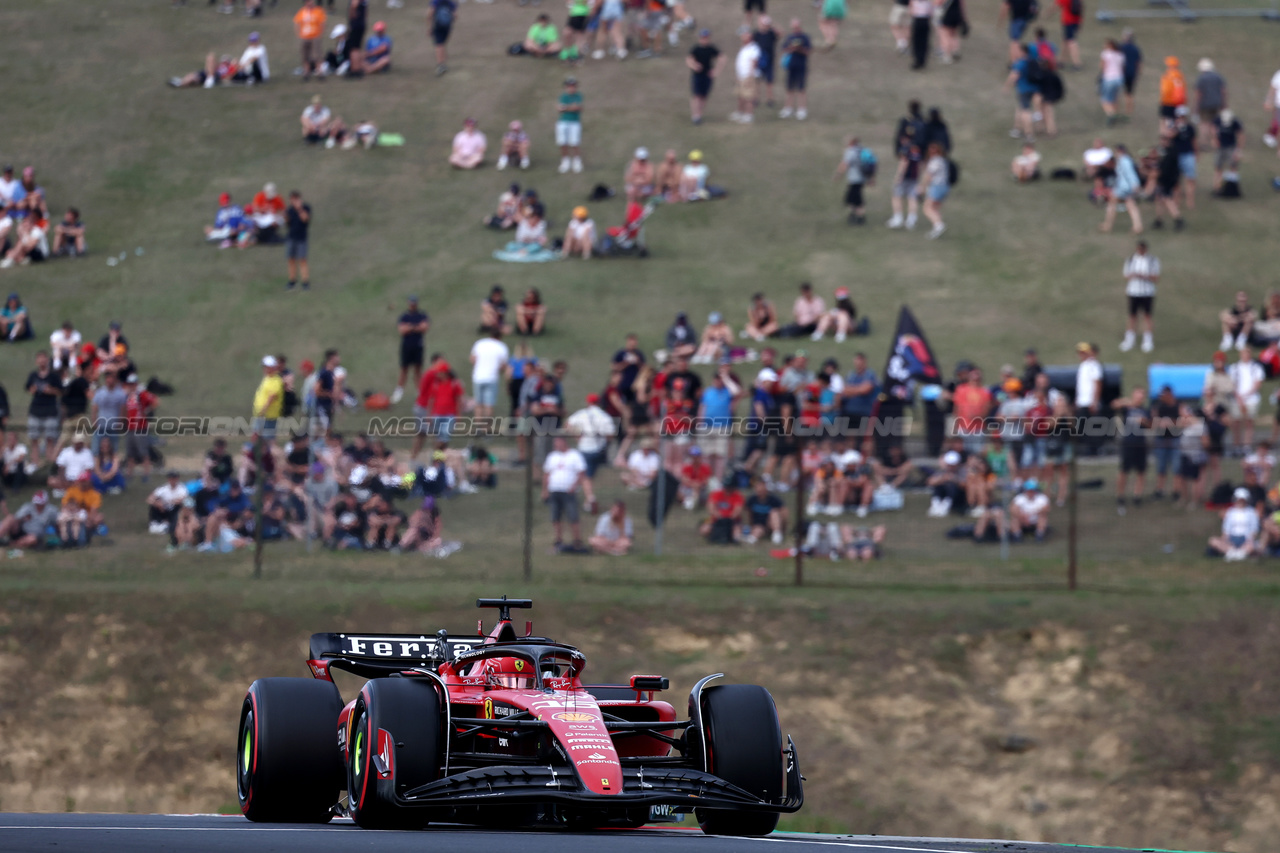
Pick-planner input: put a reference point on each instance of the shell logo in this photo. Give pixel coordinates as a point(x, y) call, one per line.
point(488, 708)
point(572, 717)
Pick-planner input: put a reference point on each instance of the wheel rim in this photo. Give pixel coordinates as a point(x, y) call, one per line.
point(244, 767)
point(359, 746)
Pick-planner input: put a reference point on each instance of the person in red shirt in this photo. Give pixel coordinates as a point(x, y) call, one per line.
point(422, 404)
point(1072, 14)
point(445, 405)
point(267, 212)
point(139, 405)
point(694, 476)
point(726, 505)
point(972, 403)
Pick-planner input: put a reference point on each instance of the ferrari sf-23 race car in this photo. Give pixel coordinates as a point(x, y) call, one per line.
point(499, 730)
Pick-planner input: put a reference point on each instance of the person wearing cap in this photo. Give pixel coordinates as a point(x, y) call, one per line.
point(695, 475)
point(335, 58)
point(164, 502)
point(746, 69)
point(612, 25)
point(717, 337)
point(1240, 528)
point(1173, 88)
point(1088, 379)
point(947, 485)
point(704, 62)
point(639, 178)
point(569, 127)
point(594, 429)
point(693, 178)
point(469, 146)
point(308, 23)
point(81, 512)
point(1211, 97)
point(139, 406)
point(316, 121)
point(1185, 144)
point(579, 235)
point(228, 222)
point(253, 66)
point(27, 527)
point(515, 146)
point(543, 39)
point(377, 53)
point(1029, 512)
point(268, 400)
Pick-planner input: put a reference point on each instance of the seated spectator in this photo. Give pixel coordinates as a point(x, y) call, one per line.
point(29, 526)
point(695, 476)
point(515, 146)
point(1237, 322)
point(669, 173)
point(1029, 512)
point(505, 217)
point(531, 232)
point(640, 178)
point(81, 511)
point(31, 243)
point(382, 523)
point(1026, 166)
point(724, 524)
point(481, 464)
point(468, 146)
point(580, 235)
point(187, 529)
point(13, 466)
point(642, 468)
point(493, 312)
point(762, 319)
point(862, 544)
point(68, 235)
point(228, 224)
point(614, 532)
point(216, 70)
point(531, 314)
point(253, 66)
point(1240, 527)
point(717, 337)
point(377, 51)
point(895, 469)
point(947, 486)
point(107, 475)
point(336, 58)
point(859, 482)
point(14, 323)
point(693, 178)
point(681, 342)
point(542, 39)
point(165, 502)
point(317, 121)
point(1097, 166)
point(1266, 329)
point(806, 311)
point(424, 528)
point(766, 514)
point(841, 316)
point(266, 211)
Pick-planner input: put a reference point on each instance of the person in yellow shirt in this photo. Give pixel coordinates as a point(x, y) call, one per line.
point(309, 24)
point(81, 510)
point(268, 400)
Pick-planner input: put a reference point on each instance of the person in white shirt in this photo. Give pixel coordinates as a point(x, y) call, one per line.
point(1239, 535)
point(489, 357)
point(8, 185)
point(76, 459)
point(164, 503)
point(580, 235)
point(1272, 103)
point(253, 62)
point(614, 532)
point(1141, 274)
point(747, 70)
point(1088, 379)
point(1247, 376)
point(693, 177)
point(63, 344)
point(642, 467)
point(594, 429)
point(14, 471)
point(531, 230)
point(562, 474)
point(1029, 510)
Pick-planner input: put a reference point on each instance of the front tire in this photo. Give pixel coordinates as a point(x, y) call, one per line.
point(744, 747)
point(288, 767)
point(408, 711)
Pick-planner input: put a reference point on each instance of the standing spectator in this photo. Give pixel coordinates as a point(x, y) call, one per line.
point(469, 145)
point(704, 61)
point(1021, 80)
point(796, 48)
point(921, 26)
point(951, 25)
point(973, 403)
point(594, 429)
point(1135, 418)
point(1185, 145)
point(936, 130)
point(268, 400)
point(612, 26)
point(1211, 98)
point(1247, 376)
point(937, 175)
point(139, 407)
point(746, 69)
point(489, 356)
point(357, 23)
point(308, 23)
point(1164, 442)
point(900, 24)
point(1168, 177)
point(1072, 13)
point(614, 532)
point(1173, 89)
point(715, 414)
point(108, 409)
point(767, 37)
point(1141, 274)
point(412, 326)
point(1019, 13)
point(329, 390)
point(43, 422)
point(1228, 139)
point(562, 473)
point(1218, 386)
point(1088, 380)
point(904, 187)
point(829, 18)
point(1132, 67)
point(1124, 190)
point(441, 17)
point(851, 167)
point(569, 127)
point(297, 224)
point(1111, 63)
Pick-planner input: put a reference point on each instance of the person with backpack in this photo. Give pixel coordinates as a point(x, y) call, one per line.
point(858, 166)
point(1050, 89)
point(1173, 89)
point(1072, 14)
point(443, 14)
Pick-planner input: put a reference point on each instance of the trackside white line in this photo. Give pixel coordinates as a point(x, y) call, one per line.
point(853, 844)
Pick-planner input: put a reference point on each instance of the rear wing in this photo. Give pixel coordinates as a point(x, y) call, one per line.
point(395, 650)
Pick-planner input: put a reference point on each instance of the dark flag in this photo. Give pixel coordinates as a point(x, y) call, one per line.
point(910, 358)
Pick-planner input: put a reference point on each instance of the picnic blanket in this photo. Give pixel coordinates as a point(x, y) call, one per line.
point(526, 253)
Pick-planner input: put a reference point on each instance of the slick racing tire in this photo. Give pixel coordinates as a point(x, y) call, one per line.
point(288, 767)
point(744, 747)
point(396, 724)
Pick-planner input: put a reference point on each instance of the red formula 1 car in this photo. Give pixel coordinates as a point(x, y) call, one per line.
point(499, 730)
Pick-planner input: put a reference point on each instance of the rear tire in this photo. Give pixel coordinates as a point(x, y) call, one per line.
point(744, 747)
point(408, 710)
point(288, 766)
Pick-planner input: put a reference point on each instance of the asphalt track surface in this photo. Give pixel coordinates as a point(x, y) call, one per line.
point(113, 833)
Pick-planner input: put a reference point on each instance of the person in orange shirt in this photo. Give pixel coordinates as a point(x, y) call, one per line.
point(1173, 88)
point(309, 24)
point(972, 404)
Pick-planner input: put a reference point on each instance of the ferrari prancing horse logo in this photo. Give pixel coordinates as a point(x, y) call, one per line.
point(519, 665)
point(488, 708)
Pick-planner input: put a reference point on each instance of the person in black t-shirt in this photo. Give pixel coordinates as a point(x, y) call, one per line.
point(44, 420)
point(413, 325)
point(1135, 421)
point(327, 388)
point(1228, 136)
point(766, 36)
point(704, 61)
point(298, 459)
point(1168, 176)
point(627, 362)
point(217, 462)
point(1184, 142)
point(1164, 444)
point(297, 220)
